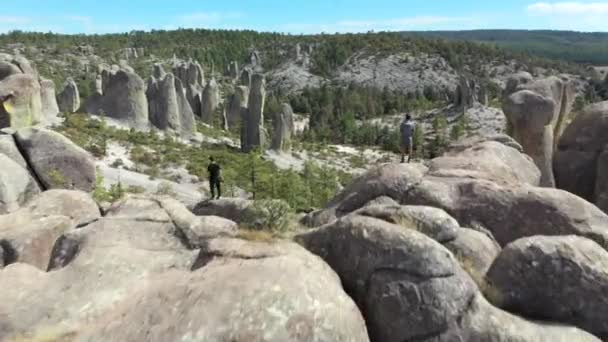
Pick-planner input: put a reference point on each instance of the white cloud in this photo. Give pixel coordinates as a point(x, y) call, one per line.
point(397, 24)
point(569, 8)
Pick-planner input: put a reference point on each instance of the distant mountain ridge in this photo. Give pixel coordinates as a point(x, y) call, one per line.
point(578, 47)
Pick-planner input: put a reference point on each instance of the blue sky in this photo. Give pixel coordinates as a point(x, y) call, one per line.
point(300, 16)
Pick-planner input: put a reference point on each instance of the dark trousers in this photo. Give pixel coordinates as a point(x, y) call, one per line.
point(215, 184)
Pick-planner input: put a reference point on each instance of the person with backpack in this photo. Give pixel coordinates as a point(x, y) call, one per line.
point(215, 178)
point(407, 138)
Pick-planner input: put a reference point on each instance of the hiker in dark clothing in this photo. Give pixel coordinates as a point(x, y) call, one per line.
point(407, 138)
point(215, 178)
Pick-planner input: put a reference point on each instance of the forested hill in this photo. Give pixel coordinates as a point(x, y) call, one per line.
point(219, 47)
point(579, 47)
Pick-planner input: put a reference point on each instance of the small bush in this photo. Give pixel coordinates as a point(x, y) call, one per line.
point(269, 215)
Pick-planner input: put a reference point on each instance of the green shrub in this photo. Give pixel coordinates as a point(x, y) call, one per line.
point(269, 215)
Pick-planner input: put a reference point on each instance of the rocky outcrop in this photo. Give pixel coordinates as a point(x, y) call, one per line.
point(237, 106)
point(21, 101)
point(56, 161)
point(306, 304)
point(283, 129)
point(468, 93)
point(499, 202)
point(29, 234)
point(385, 267)
point(537, 112)
point(252, 133)
point(168, 107)
point(562, 279)
point(123, 98)
point(210, 101)
point(410, 288)
point(192, 77)
point(69, 98)
point(580, 159)
point(132, 263)
point(48, 101)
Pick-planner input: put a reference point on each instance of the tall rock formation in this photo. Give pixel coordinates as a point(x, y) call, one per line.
point(123, 98)
point(581, 159)
point(69, 98)
point(246, 77)
point(252, 132)
point(237, 106)
point(21, 101)
point(210, 101)
point(48, 100)
point(25, 99)
point(283, 129)
point(192, 77)
point(536, 111)
point(233, 70)
point(168, 107)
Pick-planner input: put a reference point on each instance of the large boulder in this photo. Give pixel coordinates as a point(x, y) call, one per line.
point(21, 104)
point(511, 212)
point(7, 69)
point(48, 100)
point(563, 279)
point(489, 160)
point(16, 185)
point(243, 292)
point(28, 235)
point(31, 240)
point(410, 288)
point(537, 112)
point(69, 97)
point(252, 132)
point(56, 161)
point(581, 154)
point(210, 101)
point(123, 98)
point(407, 285)
point(237, 106)
point(283, 129)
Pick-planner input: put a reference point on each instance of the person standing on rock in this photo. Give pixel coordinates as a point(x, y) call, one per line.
point(407, 138)
point(215, 178)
